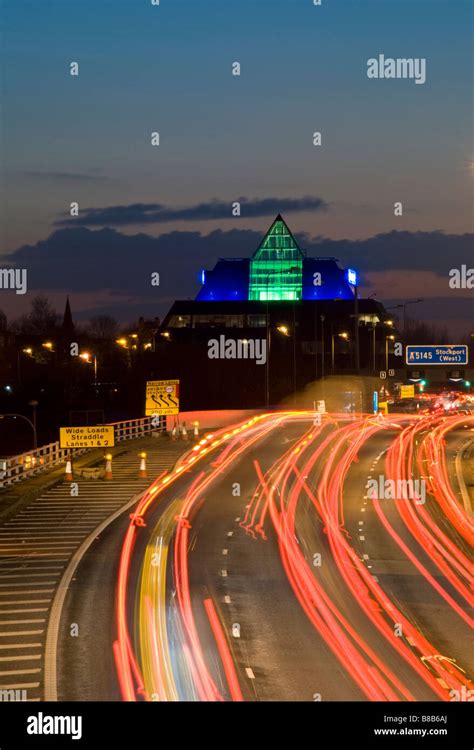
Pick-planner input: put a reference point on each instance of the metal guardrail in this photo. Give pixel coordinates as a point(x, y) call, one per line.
point(25, 465)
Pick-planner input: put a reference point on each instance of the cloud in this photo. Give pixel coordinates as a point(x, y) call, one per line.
point(158, 213)
point(111, 271)
point(67, 176)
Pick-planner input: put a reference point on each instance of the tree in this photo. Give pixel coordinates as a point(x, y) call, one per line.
point(102, 327)
point(3, 321)
point(42, 320)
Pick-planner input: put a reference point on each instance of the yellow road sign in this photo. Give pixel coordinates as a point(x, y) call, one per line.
point(162, 397)
point(100, 436)
point(383, 407)
point(407, 391)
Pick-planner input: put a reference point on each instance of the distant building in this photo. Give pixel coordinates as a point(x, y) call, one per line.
point(306, 310)
point(278, 271)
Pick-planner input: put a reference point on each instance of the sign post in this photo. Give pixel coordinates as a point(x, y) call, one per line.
point(101, 436)
point(162, 397)
point(437, 354)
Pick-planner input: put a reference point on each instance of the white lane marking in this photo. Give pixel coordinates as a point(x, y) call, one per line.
point(230, 533)
point(238, 518)
point(224, 573)
point(375, 579)
point(366, 557)
point(19, 671)
point(227, 599)
point(29, 591)
point(26, 574)
point(21, 611)
point(24, 601)
point(362, 510)
point(20, 685)
point(361, 523)
point(30, 583)
point(362, 538)
point(21, 658)
point(225, 551)
point(249, 673)
point(21, 622)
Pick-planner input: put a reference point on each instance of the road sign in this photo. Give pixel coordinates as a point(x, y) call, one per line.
point(437, 354)
point(162, 397)
point(321, 407)
point(407, 391)
point(391, 373)
point(383, 374)
point(383, 407)
point(100, 436)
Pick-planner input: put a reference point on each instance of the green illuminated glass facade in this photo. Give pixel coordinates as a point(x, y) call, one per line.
point(276, 269)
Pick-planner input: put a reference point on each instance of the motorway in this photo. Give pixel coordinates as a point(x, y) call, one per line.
point(266, 567)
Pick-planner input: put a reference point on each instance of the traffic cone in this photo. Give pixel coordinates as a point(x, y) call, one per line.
point(196, 429)
point(184, 432)
point(68, 473)
point(108, 467)
point(142, 471)
point(174, 433)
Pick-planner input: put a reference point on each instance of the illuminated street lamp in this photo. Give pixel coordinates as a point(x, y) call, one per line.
point(87, 357)
point(387, 339)
point(122, 342)
point(284, 330)
point(48, 345)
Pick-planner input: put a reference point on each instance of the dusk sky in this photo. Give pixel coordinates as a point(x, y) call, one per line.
point(224, 138)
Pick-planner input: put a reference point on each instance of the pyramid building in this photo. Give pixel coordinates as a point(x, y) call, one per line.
point(278, 271)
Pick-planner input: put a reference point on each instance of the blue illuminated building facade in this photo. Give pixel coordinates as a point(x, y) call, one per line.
point(278, 271)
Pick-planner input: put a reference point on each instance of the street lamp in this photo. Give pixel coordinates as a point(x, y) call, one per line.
point(323, 318)
point(344, 336)
point(34, 404)
point(87, 358)
point(404, 305)
point(387, 339)
point(33, 426)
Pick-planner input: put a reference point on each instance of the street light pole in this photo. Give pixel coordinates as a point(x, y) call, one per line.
point(323, 317)
point(33, 427)
point(34, 404)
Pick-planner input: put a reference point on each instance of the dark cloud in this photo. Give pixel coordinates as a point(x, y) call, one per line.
point(81, 261)
point(157, 213)
point(68, 176)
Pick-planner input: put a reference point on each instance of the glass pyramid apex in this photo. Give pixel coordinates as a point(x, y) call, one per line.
point(276, 268)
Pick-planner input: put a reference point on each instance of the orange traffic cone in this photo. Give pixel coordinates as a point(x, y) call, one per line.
point(173, 433)
point(68, 473)
point(142, 470)
point(196, 429)
point(184, 432)
point(108, 466)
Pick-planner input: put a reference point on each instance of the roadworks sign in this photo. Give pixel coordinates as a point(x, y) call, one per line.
point(407, 391)
point(162, 397)
point(101, 436)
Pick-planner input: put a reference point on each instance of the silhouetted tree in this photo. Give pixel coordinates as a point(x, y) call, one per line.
point(102, 327)
point(42, 320)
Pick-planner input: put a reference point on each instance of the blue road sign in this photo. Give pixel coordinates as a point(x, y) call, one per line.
point(437, 354)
